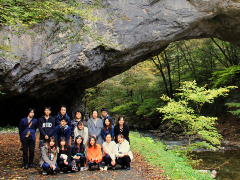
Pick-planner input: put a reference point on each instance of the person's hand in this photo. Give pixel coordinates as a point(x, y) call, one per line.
point(113, 162)
point(65, 162)
point(126, 154)
point(46, 137)
point(95, 136)
point(53, 168)
point(75, 157)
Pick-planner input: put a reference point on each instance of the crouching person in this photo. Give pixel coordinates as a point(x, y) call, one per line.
point(64, 155)
point(109, 152)
point(49, 156)
point(94, 153)
point(78, 154)
point(123, 153)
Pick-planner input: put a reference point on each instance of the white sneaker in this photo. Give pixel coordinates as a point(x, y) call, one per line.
point(82, 169)
point(105, 168)
point(44, 172)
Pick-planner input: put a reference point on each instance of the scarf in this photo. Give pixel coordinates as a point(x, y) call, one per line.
point(51, 153)
point(63, 128)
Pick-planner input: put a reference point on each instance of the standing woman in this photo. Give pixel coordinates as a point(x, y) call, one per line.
point(123, 153)
point(64, 155)
point(109, 152)
point(121, 128)
point(81, 130)
point(107, 128)
point(94, 153)
point(49, 156)
point(94, 127)
point(78, 152)
point(27, 130)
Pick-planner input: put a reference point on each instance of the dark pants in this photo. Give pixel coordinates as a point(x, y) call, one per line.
point(28, 143)
point(124, 161)
point(90, 164)
point(80, 161)
point(46, 166)
point(62, 165)
point(107, 159)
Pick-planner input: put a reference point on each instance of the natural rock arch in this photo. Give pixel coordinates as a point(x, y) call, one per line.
point(144, 28)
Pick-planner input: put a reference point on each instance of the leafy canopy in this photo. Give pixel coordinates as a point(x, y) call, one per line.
point(192, 121)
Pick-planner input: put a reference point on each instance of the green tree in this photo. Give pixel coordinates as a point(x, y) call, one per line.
point(191, 120)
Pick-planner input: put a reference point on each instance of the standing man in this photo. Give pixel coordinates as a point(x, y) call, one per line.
point(27, 130)
point(46, 126)
point(95, 125)
point(104, 112)
point(62, 114)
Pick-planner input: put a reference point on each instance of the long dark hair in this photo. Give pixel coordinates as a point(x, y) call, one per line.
point(109, 126)
point(95, 144)
point(65, 146)
point(80, 123)
point(75, 148)
point(48, 143)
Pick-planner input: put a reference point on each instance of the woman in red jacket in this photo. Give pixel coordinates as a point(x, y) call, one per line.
point(94, 153)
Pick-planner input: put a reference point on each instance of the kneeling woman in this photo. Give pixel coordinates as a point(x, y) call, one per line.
point(49, 156)
point(64, 155)
point(109, 152)
point(78, 152)
point(123, 153)
point(94, 153)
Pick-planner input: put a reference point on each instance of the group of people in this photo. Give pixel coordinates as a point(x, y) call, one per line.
point(92, 142)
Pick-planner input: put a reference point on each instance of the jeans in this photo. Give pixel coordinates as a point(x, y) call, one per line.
point(82, 160)
point(46, 166)
point(62, 165)
point(107, 159)
point(28, 143)
point(90, 164)
point(124, 161)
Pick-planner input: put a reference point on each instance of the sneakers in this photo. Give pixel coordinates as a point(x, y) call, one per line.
point(32, 166)
point(105, 168)
point(44, 172)
point(82, 169)
point(128, 168)
point(60, 172)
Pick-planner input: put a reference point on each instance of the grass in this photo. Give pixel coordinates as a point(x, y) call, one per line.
point(174, 166)
point(6, 129)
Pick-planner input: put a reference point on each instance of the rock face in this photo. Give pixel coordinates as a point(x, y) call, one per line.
point(47, 74)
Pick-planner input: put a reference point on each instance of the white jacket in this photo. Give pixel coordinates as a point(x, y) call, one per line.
point(109, 148)
point(122, 149)
point(83, 133)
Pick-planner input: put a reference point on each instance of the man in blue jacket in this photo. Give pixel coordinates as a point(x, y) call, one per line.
point(62, 130)
point(62, 114)
point(27, 130)
point(46, 126)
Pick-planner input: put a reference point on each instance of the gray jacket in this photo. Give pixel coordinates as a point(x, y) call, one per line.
point(45, 158)
point(95, 130)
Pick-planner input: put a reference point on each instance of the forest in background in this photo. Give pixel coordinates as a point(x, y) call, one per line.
point(136, 93)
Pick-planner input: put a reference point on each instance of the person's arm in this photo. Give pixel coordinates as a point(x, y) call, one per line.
point(89, 154)
point(56, 134)
point(126, 147)
point(99, 154)
point(51, 132)
point(90, 128)
point(45, 156)
point(85, 135)
point(68, 134)
point(103, 134)
point(69, 154)
point(41, 128)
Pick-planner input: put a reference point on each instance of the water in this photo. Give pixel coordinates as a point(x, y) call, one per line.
point(225, 161)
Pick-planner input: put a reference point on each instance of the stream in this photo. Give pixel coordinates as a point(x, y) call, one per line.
point(226, 160)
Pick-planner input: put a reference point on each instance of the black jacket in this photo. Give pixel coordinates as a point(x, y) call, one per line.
point(59, 159)
point(46, 127)
point(125, 132)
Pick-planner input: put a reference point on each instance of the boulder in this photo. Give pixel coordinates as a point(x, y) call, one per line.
point(46, 74)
